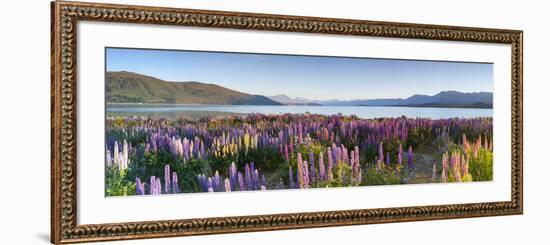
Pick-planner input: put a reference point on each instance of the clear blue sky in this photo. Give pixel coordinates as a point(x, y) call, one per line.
point(311, 77)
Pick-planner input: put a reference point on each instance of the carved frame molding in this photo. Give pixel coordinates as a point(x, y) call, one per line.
point(66, 15)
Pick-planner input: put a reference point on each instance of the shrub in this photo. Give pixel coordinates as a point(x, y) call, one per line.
point(481, 167)
point(386, 176)
point(117, 185)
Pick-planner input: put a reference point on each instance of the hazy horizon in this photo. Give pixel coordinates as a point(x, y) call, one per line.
point(306, 77)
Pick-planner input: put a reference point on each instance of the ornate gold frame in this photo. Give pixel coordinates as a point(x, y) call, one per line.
point(65, 15)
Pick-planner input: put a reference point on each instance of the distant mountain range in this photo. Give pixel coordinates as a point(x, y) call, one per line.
point(442, 99)
point(283, 99)
point(129, 87)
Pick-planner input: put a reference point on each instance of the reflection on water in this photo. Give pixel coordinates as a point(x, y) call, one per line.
point(197, 111)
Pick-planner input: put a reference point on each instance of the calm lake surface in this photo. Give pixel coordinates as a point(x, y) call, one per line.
point(360, 111)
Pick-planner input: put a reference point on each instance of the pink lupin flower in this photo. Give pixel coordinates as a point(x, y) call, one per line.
point(445, 162)
point(305, 176)
point(465, 166)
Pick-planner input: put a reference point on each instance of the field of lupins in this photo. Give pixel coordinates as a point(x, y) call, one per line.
point(148, 156)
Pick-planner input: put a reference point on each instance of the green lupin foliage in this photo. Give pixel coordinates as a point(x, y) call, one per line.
point(481, 167)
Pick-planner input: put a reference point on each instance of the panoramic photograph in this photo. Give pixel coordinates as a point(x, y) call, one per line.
point(199, 121)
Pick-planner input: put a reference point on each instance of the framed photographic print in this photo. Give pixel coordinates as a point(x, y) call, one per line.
point(175, 122)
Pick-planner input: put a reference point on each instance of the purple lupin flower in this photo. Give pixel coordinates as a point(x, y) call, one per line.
point(203, 182)
point(175, 186)
point(140, 187)
point(167, 178)
point(154, 186)
point(329, 164)
point(410, 157)
point(216, 182)
point(210, 185)
point(186, 149)
point(380, 152)
point(240, 179)
point(158, 186)
point(248, 177)
point(196, 146)
point(345, 156)
point(388, 158)
point(312, 170)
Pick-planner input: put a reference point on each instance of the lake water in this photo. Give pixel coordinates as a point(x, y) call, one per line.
point(360, 111)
